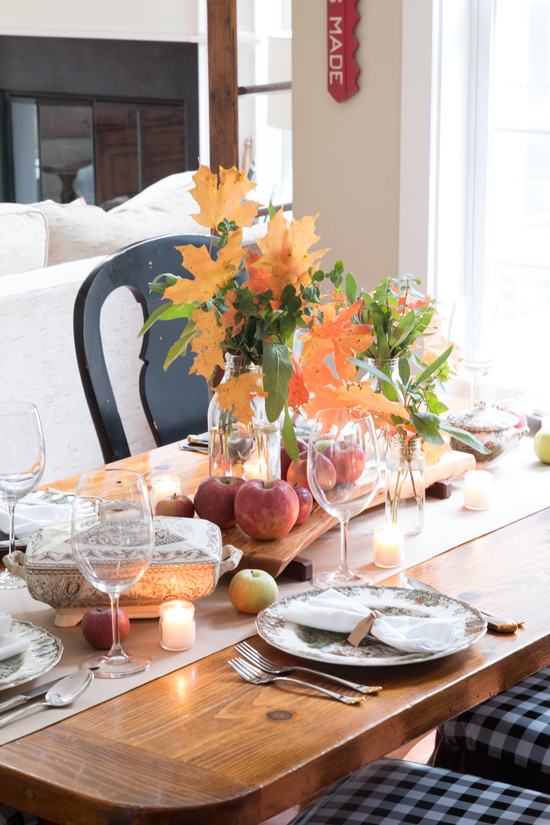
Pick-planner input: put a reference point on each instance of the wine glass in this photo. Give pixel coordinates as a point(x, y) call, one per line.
point(474, 327)
point(22, 461)
point(343, 470)
point(113, 539)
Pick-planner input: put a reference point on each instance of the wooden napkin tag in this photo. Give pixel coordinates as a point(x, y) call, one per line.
point(363, 628)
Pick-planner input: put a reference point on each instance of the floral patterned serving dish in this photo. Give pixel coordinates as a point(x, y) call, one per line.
point(333, 648)
point(495, 429)
point(188, 560)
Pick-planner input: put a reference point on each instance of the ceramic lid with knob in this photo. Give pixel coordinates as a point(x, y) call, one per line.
point(483, 417)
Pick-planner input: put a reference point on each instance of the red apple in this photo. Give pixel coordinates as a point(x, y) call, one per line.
point(97, 627)
point(512, 409)
point(306, 503)
point(252, 590)
point(215, 499)
point(175, 506)
point(324, 471)
point(348, 459)
point(266, 509)
point(286, 459)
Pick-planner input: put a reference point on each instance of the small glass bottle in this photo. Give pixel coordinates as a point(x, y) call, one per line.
point(239, 449)
point(405, 484)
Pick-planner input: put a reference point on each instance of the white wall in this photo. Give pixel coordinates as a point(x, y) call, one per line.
point(122, 19)
point(347, 155)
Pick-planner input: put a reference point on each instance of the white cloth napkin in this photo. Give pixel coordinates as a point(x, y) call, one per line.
point(331, 610)
point(10, 645)
point(30, 517)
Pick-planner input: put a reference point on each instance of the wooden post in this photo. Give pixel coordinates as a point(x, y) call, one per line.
point(222, 83)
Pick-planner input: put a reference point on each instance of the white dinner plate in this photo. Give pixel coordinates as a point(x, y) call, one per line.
point(44, 652)
point(49, 496)
point(333, 648)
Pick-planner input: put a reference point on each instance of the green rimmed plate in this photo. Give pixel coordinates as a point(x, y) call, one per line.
point(44, 653)
point(333, 648)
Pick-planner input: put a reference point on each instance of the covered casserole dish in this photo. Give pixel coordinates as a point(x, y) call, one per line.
point(188, 560)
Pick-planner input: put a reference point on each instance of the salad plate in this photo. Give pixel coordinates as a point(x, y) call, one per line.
point(44, 653)
point(333, 648)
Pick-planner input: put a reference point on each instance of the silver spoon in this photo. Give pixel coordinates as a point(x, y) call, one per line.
point(62, 693)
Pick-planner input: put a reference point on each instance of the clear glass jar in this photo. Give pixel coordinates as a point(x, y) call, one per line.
point(405, 484)
point(382, 433)
point(244, 450)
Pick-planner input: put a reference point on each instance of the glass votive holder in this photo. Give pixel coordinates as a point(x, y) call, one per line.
point(163, 486)
point(177, 625)
point(389, 545)
point(478, 490)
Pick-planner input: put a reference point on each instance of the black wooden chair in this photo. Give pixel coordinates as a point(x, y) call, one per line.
point(175, 402)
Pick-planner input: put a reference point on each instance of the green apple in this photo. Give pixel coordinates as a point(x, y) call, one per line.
point(252, 590)
point(542, 445)
point(322, 444)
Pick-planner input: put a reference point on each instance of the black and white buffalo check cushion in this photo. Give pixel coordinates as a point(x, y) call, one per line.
point(391, 792)
point(513, 726)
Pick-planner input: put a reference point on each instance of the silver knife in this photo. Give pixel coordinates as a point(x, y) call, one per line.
point(494, 622)
point(21, 698)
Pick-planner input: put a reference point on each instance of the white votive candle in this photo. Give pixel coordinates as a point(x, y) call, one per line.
point(177, 625)
point(478, 489)
point(389, 545)
point(163, 486)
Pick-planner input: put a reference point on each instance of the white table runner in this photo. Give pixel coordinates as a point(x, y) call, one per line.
point(521, 487)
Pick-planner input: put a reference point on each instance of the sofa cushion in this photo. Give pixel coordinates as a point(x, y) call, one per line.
point(78, 232)
point(24, 234)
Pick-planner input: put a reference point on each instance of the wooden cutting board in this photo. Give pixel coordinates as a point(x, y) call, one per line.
point(274, 556)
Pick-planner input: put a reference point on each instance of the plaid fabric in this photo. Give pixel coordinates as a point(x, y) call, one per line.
point(391, 792)
point(13, 816)
point(513, 726)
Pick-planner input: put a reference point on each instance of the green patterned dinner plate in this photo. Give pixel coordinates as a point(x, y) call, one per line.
point(333, 648)
point(44, 652)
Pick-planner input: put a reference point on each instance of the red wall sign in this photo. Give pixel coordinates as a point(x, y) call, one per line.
point(342, 18)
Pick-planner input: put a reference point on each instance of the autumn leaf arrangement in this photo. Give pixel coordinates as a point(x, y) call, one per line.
point(362, 333)
point(250, 305)
point(242, 303)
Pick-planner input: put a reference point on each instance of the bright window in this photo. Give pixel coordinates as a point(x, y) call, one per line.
point(513, 253)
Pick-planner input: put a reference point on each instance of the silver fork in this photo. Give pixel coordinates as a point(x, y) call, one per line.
point(257, 677)
point(252, 655)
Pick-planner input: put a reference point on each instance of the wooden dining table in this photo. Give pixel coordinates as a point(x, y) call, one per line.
point(200, 745)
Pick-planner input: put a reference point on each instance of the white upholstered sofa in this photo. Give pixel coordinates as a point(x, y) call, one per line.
point(46, 251)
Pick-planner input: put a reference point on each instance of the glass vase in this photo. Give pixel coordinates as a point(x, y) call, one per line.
point(239, 449)
point(382, 433)
point(405, 484)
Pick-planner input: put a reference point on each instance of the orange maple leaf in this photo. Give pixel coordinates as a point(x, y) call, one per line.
point(209, 275)
point(337, 336)
point(297, 391)
point(351, 396)
point(207, 345)
point(217, 203)
point(237, 392)
point(257, 278)
point(285, 254)
point(228, 318)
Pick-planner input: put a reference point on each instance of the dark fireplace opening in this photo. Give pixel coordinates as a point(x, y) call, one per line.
point(98, 119)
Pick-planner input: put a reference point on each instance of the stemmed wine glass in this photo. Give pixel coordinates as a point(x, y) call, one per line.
point(112, 540)
point(343, 470)
point(22, 461)
point(474, 327)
